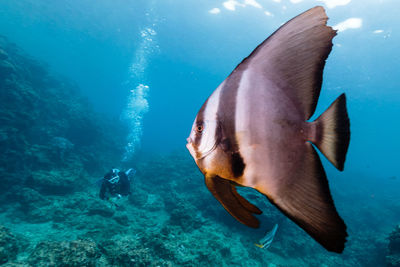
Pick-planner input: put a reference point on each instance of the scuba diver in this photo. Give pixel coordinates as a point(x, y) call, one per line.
point(116, 184)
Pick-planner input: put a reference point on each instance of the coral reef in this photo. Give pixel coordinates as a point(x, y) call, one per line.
point(128, 251)
point(48, 131)
point(393, 257)
point(8, 245)
point(65, 253)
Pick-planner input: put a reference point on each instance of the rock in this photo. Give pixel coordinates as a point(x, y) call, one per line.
point(78, 201)
point(16, 264)
point(393, 257)
point(393, 260)
point(65, 253)
point(184, 216)
point(8, 245)
point(6, 69)
point(129, 252)
point(83, 203)
point(122, 219)
point(100, 207)
point(46, 124)
point(3, 54)
point(32, 206)
point(138, 197)
point(98, 228)
point(154, 202)
point(54, 182)
point(61, 146)
point(394, 241)
point(61, 215)
point(28, 197)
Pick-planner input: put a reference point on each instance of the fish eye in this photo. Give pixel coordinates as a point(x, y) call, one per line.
point(199, 128)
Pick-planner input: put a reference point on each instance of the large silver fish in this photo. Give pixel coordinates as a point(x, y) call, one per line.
point(253, 131)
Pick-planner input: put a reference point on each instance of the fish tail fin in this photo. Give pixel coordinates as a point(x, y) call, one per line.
point(332, 132)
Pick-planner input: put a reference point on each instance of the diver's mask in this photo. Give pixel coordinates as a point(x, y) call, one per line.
point(115, 178)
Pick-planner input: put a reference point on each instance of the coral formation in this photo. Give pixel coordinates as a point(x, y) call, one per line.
point(65, 253)
point(48, 131)
point(393, 257)
point(8, 245)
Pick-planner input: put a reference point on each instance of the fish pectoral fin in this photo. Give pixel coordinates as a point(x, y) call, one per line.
point(304, 196)
point(225, 192)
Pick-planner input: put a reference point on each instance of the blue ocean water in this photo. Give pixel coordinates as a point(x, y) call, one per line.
point(149, 66)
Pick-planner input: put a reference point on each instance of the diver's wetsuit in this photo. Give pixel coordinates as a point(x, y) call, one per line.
point(122, 187)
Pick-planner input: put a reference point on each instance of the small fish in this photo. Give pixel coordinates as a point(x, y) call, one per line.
point(266, 241)
point(253, 131)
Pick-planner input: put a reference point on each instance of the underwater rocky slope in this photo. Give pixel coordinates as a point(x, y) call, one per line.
point(393, 257)
point(46, 126)
point(54, 147)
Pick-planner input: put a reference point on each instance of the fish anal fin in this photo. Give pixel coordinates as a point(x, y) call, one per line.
point(225, 192)
point(304, 196)
point(244, 202)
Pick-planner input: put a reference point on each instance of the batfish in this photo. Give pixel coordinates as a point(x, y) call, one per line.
point(254, 131)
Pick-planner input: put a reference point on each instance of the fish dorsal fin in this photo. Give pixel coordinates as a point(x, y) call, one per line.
point(293, 58)
point(225, 192)
point(304, 197)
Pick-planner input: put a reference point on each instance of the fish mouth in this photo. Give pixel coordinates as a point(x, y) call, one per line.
point(190, 147)
point(189, 143)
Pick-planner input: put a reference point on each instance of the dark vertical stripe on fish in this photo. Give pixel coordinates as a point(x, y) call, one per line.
point(226, 114)
point(237, 164)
